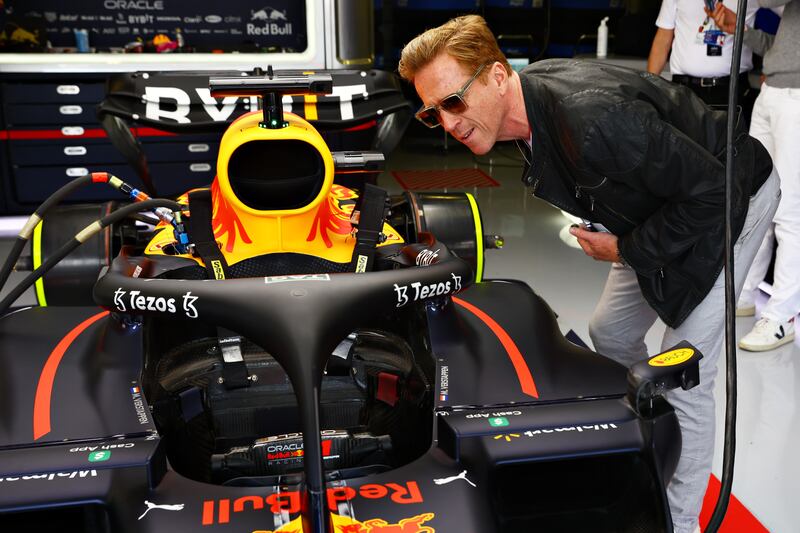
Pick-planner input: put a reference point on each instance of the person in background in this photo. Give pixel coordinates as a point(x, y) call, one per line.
point(687, 31)
point(776, 123)
point(639, 158)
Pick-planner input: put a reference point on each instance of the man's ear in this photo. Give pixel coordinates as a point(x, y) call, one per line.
point(499, 76)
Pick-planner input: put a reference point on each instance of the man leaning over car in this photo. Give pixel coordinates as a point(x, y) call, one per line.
point(634, 155)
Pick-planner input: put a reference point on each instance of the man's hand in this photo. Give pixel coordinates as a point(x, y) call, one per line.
point(599, 245)
point(724, 17)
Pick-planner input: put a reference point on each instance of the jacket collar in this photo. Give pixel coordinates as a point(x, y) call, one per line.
point(531, 90)
point(542, 175)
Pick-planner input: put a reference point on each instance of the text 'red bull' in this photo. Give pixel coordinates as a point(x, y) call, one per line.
point(219, 511)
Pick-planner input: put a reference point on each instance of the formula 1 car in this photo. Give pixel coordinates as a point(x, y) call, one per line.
point(281, 353)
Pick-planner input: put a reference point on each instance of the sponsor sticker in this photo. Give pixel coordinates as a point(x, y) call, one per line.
point(446, 480)
point(577, 429)
point(102, 447)
point(498, 422)
point(138, 405)
point(130, 301)
point(164, 507)
point(222, 511)
point(216, 265)
point(361, 264)
point(427, 257)
point(444, 383)
point(98, 457)
point(672, 357)
point(297, 277)
point(50, 476)
point(144, 5)
point(347, 524)
point(420, 292)
point(507, 437)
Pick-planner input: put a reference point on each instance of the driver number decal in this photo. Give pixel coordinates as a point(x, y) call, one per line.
point(129, 301)
point(420, 292)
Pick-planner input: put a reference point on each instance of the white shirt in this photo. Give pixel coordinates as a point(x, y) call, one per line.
point(688, 50)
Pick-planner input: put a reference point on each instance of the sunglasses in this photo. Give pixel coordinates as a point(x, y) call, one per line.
point(452, 103)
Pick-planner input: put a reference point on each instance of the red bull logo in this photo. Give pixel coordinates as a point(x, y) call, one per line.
point(378, 525)
point(220, 511)
point(344, 524)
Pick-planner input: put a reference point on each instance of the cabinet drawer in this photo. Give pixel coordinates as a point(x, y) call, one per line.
point(34, 184)
point(47, 114)
point(181, 151)
point(173, 179)
point(80, 152)
point(51, 93)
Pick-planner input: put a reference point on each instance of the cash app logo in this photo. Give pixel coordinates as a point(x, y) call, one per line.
point(499, 421)
point(97, 457)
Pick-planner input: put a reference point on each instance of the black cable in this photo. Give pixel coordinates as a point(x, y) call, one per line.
point(79, 239)
point(729, 453)
point(34, 219)
point(51, 201)
point(145, 219)
point(63, 192)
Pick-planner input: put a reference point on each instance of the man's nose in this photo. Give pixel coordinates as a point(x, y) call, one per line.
point(449, 121)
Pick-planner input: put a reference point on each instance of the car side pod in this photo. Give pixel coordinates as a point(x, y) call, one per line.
point(648, 380)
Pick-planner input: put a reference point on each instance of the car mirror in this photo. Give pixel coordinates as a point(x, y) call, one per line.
point(677, 367)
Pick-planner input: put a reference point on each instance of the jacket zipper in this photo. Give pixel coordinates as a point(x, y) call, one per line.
point(579, 188)
point(579, 191)
point(554, 202)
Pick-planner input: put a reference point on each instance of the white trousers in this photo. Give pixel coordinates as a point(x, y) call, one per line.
point(776, 123)
point(618, 328)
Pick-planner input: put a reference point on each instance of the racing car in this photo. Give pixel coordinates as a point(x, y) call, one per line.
point(280, 353)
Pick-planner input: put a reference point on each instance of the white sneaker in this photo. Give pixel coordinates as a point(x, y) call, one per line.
point(767, 335)
point(743, 309)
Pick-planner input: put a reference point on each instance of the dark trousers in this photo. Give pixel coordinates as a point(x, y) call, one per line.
point(715, 93)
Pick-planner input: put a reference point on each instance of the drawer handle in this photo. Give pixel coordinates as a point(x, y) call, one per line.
point(76, 172)
point(68, 89)
point(70, 110)
point(72, 131)
point(196, 148)
point(200, 167)
point(74, 150)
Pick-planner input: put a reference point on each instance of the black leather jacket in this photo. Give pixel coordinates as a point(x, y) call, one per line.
point(646, 158)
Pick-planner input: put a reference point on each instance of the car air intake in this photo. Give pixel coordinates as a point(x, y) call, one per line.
point(276, 174)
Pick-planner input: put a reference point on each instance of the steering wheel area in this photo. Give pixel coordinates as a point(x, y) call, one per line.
point(298, 319)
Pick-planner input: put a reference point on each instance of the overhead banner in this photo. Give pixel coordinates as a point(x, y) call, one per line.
point(256, 25)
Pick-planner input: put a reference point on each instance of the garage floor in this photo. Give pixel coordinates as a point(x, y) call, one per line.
point(538, 251)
